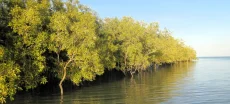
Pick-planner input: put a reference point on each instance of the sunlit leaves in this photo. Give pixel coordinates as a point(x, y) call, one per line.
point(8, 76)
point(30, 23)
point(137, 45)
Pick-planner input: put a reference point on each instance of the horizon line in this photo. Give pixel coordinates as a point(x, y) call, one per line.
point(213, 56)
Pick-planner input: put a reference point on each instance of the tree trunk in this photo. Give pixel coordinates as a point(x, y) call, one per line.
point(125, 59)
point(131, 72)
point(61, 99)
point(63, 77)
point(58, 57)
point(155, 66)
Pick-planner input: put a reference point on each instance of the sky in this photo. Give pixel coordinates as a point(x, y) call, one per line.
point(202, 24)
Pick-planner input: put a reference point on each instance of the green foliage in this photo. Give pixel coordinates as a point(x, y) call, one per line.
point(29, 23)
point(73, 31)
point(9, 69)
point(9, 76)
point(108, 42)
point(133, 46)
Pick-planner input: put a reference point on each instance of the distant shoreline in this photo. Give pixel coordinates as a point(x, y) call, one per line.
point(214, 57)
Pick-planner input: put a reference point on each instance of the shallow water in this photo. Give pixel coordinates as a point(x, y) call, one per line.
point(204, 81)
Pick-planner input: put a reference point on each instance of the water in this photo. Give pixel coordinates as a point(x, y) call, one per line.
point(204, 81)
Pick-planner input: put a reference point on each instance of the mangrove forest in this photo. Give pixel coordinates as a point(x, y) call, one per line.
point(41, 40)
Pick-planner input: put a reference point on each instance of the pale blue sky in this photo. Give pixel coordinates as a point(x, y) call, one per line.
point(202, 24)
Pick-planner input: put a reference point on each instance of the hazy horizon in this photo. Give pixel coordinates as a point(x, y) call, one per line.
point(213, 56)
point(203, 25)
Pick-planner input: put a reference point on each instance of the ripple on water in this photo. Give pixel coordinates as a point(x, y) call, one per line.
point(202, 82)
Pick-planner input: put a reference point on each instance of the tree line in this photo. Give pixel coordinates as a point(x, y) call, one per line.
point(43, 39)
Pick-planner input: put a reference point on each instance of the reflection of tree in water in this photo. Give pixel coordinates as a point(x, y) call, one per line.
point(147, 87)
point(156, 87)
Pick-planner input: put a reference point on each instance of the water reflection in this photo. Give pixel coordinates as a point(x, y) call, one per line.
point(156, 87)
point(147, 87)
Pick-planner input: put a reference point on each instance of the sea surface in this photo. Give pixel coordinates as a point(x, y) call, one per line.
point(204, 81)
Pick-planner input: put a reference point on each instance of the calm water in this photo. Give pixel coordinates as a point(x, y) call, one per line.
point(204, 81)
